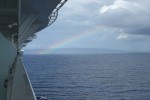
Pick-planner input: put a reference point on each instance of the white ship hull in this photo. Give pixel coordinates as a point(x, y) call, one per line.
point(14, 82)
point(19, 21)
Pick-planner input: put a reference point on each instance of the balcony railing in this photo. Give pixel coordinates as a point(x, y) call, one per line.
point(54, 14)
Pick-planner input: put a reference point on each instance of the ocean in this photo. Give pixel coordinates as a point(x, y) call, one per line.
point(90, 76)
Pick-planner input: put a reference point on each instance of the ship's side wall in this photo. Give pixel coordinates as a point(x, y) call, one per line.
point(19, 21)
point(20, 87)
point(7, 56)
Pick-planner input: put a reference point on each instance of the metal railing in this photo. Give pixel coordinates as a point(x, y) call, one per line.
point(53, 16)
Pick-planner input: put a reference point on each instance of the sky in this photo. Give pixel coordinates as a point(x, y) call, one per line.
point(111, 24)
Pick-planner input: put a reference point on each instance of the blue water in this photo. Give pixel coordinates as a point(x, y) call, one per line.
point(90, 77)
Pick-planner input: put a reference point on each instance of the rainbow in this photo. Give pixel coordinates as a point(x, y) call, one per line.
point(69, 40)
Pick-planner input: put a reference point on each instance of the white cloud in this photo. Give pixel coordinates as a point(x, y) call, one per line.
point(122, 36)
point(117, 4)
point(129, 16)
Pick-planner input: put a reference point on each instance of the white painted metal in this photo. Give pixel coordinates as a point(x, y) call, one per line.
point(26, 24)
point(19, 85)
point(19, 20)
point(31, 30)
point(7, 56)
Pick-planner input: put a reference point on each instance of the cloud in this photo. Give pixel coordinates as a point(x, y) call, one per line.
point(123, 24)
point(122, 36)
point(81, 12)
point(133, 38)
point(130, 16)
point(120, 16)
point(117, 4)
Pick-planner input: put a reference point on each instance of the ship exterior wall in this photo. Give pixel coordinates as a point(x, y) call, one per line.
point(7, 56)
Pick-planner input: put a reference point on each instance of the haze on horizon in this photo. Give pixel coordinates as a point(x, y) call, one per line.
point(110, 24)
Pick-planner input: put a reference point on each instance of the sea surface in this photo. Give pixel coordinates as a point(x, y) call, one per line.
point(90, 77)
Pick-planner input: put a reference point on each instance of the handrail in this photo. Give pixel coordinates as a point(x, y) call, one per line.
point(53, 16)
